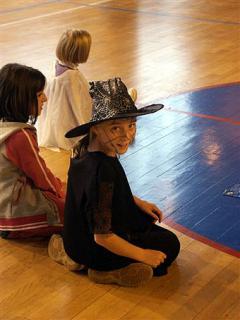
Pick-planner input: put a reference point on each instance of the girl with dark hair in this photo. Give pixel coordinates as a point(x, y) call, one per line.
point(32, 198)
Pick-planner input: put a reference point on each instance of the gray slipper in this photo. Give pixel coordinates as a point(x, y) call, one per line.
point(57, 253)
point(134, 275)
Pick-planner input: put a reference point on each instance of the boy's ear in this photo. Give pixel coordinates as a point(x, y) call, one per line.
point(94, 130)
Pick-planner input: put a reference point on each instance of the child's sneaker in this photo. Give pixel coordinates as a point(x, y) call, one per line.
point(4, 234)
point(57, 253)
point(133, 94)
point(134, 275)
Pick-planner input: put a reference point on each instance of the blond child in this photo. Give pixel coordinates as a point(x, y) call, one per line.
point(69, 103)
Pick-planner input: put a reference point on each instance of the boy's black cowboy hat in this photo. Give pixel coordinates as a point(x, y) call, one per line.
point(110, 100)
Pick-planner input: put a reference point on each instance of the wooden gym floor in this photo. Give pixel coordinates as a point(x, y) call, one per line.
point(163, 48)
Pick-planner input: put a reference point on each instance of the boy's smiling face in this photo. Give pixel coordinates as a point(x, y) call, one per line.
point(114, 136)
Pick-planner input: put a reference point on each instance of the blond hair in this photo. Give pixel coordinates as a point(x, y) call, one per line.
point(74, 46)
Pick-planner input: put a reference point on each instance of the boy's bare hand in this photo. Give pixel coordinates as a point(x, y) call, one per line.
point(149, 208)
point(153, 257)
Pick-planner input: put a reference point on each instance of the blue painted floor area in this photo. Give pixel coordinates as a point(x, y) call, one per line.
point(183, 163)
point(221, 101)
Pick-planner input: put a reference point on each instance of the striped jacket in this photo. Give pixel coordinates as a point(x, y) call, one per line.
point(31, 196)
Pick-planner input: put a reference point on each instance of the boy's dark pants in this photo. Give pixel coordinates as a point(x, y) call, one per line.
point(156, 238)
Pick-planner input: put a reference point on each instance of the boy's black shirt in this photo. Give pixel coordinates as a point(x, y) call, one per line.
point(99, 200)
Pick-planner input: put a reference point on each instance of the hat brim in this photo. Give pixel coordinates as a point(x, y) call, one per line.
point(83, 129)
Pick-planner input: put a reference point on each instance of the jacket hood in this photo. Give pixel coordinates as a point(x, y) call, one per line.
point(8, 128)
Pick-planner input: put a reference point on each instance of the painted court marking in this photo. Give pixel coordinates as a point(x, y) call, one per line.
point(98, 3)
point(198, 237)
point(46, 15)
point(209, 225)
point(206, 116)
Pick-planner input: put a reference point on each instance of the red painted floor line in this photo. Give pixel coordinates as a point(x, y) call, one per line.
point(178, 93)
point(206, 116)
point(196, 236)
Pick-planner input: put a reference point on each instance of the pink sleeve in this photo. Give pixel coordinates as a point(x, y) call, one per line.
point(22, 150)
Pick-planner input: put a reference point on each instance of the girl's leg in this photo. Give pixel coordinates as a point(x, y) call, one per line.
point(39, 232)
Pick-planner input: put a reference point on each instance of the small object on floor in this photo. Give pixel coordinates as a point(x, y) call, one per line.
point(233, 191)
point(4, 234)
point(133, 94)
point(55, 149)
point(134, 275)
point(57, 253)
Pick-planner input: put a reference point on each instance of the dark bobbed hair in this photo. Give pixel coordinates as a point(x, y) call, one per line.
point(19, 85)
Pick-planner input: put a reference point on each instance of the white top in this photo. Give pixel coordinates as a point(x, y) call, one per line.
point(69, 105)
